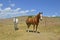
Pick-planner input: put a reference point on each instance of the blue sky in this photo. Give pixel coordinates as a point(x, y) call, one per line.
point(12, 8)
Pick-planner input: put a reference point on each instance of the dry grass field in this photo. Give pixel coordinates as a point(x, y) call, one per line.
point(49, 29)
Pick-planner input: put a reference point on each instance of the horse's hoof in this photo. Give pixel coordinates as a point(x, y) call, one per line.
point(37, 32)
point(27, 30)
point(34, 31)
point(16, 28)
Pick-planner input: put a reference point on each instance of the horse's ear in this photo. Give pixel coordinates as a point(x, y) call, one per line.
point(40, 12)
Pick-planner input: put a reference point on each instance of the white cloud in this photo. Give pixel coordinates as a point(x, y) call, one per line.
point(17, 9)
point(53, 15)
point(22, 11)
point(33, 10)
point(26, 11)
point(1, 4)
point(7, 10)
point(0, 10)
point(12, 5)
point(16, 12)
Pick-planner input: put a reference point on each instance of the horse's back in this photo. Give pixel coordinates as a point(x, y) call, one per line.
point(29, 20)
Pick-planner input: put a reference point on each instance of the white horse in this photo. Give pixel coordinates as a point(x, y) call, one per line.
point(15, 20)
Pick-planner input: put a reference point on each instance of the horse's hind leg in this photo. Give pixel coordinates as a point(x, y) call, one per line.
point(28, 25)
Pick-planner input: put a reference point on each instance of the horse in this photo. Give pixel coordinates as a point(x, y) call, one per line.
point(34, 21)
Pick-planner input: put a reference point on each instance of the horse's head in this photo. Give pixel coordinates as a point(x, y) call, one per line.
point(40, 15)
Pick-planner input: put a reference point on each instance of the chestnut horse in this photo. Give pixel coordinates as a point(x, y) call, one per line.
point(34, 21)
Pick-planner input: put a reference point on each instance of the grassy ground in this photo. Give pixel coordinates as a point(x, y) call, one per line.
point(49, 29)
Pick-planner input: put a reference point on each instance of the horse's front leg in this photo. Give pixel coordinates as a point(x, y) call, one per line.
point(33, 27)
point(36, 27)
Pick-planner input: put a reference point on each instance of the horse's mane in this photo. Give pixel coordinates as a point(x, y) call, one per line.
point(38, 15)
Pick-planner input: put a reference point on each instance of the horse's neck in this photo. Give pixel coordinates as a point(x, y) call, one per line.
point(37, 18)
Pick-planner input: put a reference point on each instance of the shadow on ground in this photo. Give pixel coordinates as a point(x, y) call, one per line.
point(32, 31)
